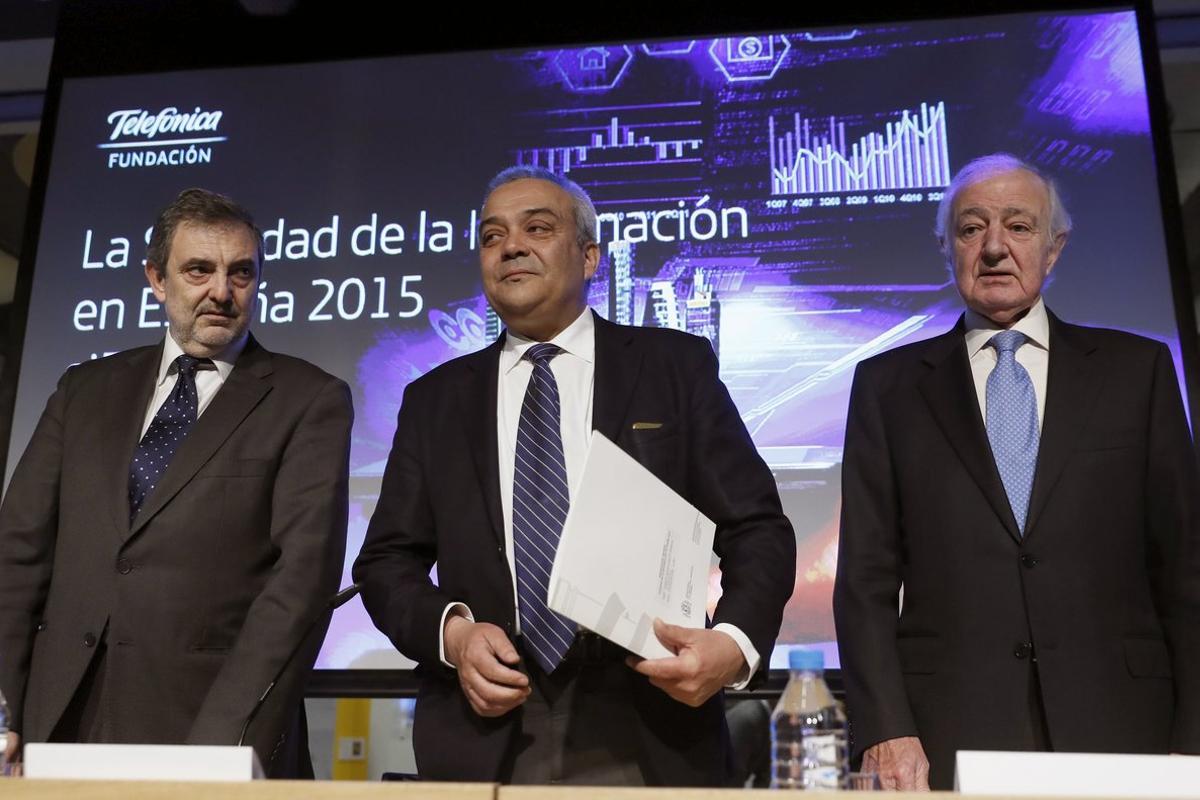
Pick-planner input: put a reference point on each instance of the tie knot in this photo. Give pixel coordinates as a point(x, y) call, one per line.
point(542, 353)
point(1007, 341)
point(187, 365)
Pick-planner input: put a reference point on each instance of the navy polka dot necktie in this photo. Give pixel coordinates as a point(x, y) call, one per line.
point(1012, 422)
point(167, 431)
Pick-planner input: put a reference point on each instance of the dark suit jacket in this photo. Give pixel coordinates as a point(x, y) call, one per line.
point(201, 598)
point(440, 502)
point(1105, 584)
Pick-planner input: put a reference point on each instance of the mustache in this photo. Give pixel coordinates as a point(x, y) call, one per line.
point(226, 310)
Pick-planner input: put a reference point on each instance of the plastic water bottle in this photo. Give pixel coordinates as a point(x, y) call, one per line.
point(808, 729)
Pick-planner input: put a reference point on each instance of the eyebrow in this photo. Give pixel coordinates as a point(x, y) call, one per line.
point(196, 262)
point(205, 262)
point(526, 214)
point(1007, 211)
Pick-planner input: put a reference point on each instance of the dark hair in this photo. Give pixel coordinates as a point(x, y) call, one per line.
point(201, 207)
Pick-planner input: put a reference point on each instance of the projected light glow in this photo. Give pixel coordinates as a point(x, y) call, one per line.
point(773, 192)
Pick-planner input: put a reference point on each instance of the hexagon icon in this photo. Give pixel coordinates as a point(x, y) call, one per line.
point(593, 69)
point(668, 48)
point(749, 58)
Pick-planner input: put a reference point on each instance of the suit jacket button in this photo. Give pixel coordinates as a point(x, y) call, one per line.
point(89, 640)
point(41, 626)
point(124, 566)
point(1022, 650)
point(1029, 560)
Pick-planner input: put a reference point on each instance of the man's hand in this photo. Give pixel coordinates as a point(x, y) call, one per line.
point(901, 764)
point(704, 662)
point(480, 651)
point(11, 763)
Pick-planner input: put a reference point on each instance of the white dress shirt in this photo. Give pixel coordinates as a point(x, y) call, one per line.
point(574, 371)
point(1033, 355)
point(208, 380)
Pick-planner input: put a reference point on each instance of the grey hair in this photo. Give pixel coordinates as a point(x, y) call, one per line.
point(987, 166)
point(201, 207)
point(585, 210)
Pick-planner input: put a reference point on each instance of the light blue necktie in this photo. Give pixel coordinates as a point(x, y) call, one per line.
point(1012, 423)
point(540, 502)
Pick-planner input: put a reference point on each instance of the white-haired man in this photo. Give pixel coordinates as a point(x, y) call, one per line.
point(1031, 485)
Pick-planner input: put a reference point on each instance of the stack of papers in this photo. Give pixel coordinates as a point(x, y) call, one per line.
point(631, 550)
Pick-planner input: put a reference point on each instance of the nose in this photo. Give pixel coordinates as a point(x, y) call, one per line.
point(219, 290)
point(995, 248)
point(515, 245)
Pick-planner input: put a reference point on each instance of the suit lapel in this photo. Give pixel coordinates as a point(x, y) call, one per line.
point(124, 406)
point(242, 391)
point(616, 372)
point(477, 402)
point(1071, 386)
point(949, 389)
point(617, 367)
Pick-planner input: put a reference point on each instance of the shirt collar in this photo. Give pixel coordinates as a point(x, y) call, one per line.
point(578, 339)
point(1035, 325)
point(223, 361)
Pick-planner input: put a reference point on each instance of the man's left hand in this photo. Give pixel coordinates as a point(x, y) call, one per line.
point(704, 662)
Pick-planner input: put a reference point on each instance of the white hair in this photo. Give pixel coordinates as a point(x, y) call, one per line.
point(988, 166)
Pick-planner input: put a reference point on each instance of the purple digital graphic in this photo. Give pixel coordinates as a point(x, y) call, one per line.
point(773, 192)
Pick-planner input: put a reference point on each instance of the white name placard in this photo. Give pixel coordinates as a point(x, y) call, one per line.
point(151, 762)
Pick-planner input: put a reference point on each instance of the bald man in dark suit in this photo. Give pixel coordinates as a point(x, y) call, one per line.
point(496, 703)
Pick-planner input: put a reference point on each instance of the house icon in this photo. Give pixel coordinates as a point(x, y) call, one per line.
point(593, 58)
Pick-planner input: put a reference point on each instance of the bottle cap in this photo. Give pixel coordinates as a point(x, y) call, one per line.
point(799, 658)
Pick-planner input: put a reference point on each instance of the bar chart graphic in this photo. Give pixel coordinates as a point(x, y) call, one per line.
point(910, 153)
point(616, 144)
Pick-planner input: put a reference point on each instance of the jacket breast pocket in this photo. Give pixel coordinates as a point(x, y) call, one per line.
point(1101, 440)
point(919, 655)
point(657, 449)
point(652, 435)
point(1147, 658)
point(236, 468)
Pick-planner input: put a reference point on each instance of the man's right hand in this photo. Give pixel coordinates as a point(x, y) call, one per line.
point(11, 761)
point(900, 763)
point(484, 658)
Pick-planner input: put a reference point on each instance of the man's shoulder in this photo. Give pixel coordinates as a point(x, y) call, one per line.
point(133, 355)
point(666, 337)
point(298, 369)
point(297, 383)
point(1111, 340)
point(905, 361)
point(448, 375)
point(668, 341)
point(86, 372)
point(905, 357)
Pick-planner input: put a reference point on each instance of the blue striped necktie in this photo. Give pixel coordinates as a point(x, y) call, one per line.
point(168, 429)
point(540, 502)
point(1012, 423)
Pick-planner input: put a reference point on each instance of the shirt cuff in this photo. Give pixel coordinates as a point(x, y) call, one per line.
point(461, 610)
point(748, 653)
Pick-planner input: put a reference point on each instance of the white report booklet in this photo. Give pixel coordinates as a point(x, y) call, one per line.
point(631, 550)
